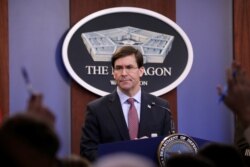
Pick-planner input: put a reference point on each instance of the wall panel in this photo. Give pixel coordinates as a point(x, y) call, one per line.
point(4, 60)
point(80, 96)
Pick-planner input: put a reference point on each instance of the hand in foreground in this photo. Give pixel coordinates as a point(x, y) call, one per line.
point(37, 108)
point(237, 96)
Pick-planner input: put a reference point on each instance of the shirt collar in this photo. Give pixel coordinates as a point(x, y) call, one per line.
point(123, 97)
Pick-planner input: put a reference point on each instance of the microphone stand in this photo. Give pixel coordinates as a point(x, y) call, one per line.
point(172, 126)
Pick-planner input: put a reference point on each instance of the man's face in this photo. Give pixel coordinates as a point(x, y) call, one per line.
point(127, 74)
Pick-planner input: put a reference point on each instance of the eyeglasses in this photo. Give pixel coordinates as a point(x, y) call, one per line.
point(128, 69)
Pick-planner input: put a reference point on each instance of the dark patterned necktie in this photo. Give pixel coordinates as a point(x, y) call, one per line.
point(133, 122)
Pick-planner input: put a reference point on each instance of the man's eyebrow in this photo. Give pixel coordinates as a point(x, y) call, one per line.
point(129, 65)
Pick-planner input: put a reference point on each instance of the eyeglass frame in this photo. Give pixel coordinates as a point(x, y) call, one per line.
point(128, 68)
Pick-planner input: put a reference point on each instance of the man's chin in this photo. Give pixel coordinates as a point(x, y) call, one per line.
point(125, 87)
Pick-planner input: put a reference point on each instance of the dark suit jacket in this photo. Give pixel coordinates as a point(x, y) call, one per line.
point(105, 122)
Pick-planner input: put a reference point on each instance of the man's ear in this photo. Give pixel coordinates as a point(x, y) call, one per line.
point(142, 69)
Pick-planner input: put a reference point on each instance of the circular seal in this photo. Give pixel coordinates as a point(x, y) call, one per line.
point(175, 144)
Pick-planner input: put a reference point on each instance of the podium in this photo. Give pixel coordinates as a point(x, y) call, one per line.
point(145, 147)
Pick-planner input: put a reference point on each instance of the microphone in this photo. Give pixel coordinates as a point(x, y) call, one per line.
point(172, 128)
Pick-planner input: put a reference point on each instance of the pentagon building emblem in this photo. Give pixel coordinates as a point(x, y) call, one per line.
point(102, 44)
point(90, 43)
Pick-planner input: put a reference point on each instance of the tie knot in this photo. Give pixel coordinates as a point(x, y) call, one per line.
point(131, 100)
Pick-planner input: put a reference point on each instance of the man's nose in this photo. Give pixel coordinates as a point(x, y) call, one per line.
point(124, 71)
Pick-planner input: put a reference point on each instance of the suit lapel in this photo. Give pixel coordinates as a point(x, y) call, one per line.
point(115, 110)
point(145, 117)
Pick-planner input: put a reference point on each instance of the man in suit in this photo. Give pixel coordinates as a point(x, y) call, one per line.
point(107, 118)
